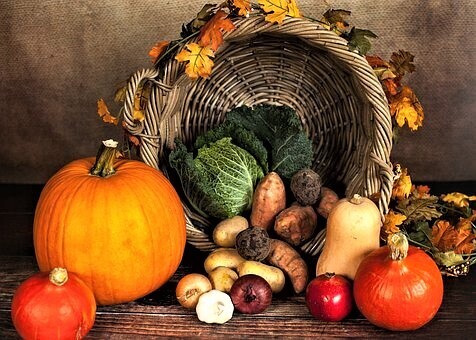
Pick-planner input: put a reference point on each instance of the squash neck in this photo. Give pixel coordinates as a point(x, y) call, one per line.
point(398, 244)
point(104, 165)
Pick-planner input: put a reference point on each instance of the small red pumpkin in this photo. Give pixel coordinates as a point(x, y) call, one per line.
point(398, 287)
point(55, 305)
point(119, 224)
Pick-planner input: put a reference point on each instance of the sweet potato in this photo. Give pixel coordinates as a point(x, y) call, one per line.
point(327, 201)
point(268, 200)
point(285, 257)
point(296, 224)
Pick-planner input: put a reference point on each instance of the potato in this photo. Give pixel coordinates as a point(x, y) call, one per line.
point(274, 276)
point(224, 234)
point(223, 257)
point(222, 278)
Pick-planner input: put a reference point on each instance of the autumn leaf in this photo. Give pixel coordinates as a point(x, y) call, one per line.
point(336, 19)
point(104, 113)
point(277, 10)
point(205, 14)
point(402, 186)
point(458, 199)
point(419, 209)
point(464, 242)
point(157, 50)
point(459, 239)
point(448, 259)
point(406, 108)
point(243, 6)
point(420, 191)
point(141, 99)
point(358, 40)
point(198, 58)
point(402, 62)
point(212, 33)
point(392, 221)
point(130, 137)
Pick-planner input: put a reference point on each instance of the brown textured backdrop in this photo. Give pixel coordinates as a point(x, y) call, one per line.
point(58, 57)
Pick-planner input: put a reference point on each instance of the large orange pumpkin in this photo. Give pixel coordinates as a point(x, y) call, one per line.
point(119, 226)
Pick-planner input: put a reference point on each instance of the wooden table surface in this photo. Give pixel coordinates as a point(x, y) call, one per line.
point(159, 315)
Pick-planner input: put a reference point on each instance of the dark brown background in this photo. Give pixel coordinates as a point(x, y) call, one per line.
point(58, 57)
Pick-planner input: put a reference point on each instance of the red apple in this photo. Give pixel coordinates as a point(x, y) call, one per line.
point(329, 297)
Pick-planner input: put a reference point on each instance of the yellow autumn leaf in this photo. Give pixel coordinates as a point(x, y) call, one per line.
point(406, 108)
point(392, 221)
point(243, 6)
point(104, 113)
point(198, 58)
point(277, 10)
point(402, 186)
point(458, 199)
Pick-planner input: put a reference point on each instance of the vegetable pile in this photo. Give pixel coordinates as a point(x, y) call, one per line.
point(219, 175)
point(268, 202)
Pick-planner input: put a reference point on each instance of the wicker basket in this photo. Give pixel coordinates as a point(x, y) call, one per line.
point(334, 91)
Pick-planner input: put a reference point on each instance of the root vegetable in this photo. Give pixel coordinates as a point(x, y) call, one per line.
point(327, 201)
point(224, 234)
point(268, 200)
point(189, 289)
point(253, 244)
point(223, 257)
point(296, 224)
point(285, 257)
point(222, 278)
point(274, 276)
point(214, 307)
point(306, 186)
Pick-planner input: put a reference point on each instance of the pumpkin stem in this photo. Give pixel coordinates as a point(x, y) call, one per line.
point(104, 165)
point(398, 244)
point(58, 276)
point(356, 199)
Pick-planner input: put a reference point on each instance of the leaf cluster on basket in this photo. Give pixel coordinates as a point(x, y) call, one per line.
point(441, 225)
point(202, 37)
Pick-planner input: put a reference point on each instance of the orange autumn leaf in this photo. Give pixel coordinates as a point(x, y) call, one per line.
point(459, 239)
point(464, 241)
point(198, 58)
point(212, 33)
point(277, 10)
point(390, 86)
point(243, 6)
point(130, 137)
point(104, 113)
point(406, 108)
point(392, 221)
point(157, 50)
point(402, 186)
point(458, 199)
point(421, 191)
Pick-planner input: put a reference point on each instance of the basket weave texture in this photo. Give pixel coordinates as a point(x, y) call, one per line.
point(335, 92)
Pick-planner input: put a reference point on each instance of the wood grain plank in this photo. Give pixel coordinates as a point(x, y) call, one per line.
point(160, 315)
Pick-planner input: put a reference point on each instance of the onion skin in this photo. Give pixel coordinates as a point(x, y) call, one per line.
point(398, 295)
point(251, 294)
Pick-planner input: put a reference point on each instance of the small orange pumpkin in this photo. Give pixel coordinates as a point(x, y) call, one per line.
point(119, 225)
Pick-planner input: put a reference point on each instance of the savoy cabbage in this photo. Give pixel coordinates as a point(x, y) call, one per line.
point(220, 180)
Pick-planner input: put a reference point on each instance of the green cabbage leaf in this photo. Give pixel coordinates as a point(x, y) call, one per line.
point(220, 180)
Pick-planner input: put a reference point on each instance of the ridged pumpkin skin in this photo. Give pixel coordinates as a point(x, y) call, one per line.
point(124, 234)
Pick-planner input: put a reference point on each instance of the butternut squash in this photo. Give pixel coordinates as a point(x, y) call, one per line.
point(353, 231)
